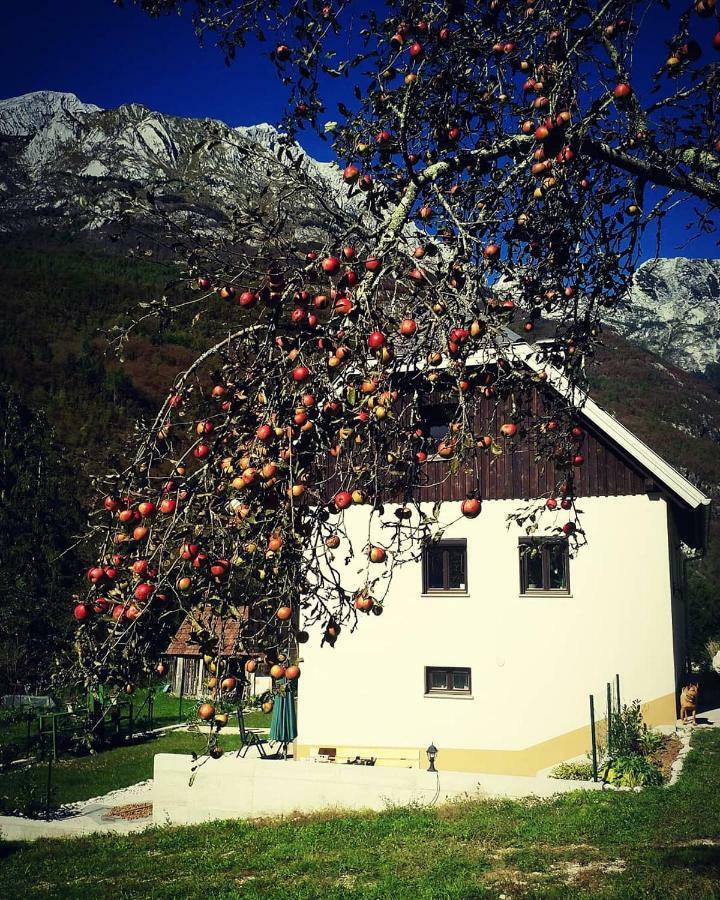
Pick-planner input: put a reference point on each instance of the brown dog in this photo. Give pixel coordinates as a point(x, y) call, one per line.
point(688, 702)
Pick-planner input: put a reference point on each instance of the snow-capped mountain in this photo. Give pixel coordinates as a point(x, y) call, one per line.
point(65, 162)
point(674, 311)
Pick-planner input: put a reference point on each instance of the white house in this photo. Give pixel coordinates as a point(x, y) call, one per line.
point(490, 651)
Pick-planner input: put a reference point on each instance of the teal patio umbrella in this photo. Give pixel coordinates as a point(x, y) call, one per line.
point(283, 726)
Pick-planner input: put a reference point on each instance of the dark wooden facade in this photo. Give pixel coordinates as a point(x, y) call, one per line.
point(522, 473)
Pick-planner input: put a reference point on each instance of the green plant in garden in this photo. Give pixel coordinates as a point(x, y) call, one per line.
point(650, 742)
point(631, 771)
point(573, 771)
point(626, 730)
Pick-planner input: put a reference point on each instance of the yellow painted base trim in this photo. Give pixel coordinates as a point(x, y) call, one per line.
point(529, 761)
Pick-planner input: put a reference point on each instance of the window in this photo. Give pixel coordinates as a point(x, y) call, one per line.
point(436, 420)
point(544, 565)
point(447, 681)
point(445, 567)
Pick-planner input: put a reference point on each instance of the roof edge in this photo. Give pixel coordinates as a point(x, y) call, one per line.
point(607, 423)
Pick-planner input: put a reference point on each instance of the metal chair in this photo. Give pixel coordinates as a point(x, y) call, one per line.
point(249, 738)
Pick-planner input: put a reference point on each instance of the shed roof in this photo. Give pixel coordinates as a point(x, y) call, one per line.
point(226, 630)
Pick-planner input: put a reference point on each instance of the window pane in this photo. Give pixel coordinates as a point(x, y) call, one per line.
point(460, 680)
point(438, 680)
point(557, 571)
point(532, 562)
point(434, 564)
point(456, 568)
point(436, 421)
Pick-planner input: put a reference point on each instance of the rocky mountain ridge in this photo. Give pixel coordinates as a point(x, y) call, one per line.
point(674, 311)
point(68, 163)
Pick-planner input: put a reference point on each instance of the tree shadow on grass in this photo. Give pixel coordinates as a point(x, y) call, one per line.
point(702, 859)
point(8, 848)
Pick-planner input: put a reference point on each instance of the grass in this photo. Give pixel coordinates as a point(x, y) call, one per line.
point(78, 778)
point(661, 843)
point(81, 777)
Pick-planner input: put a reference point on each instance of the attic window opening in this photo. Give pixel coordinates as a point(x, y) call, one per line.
point(436, 420)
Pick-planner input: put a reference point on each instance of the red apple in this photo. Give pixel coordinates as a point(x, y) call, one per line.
point(376, 340)
point(342, 500)
point(95, 574)
point(143, 591)
point(330, 265)
point(300, 373)
point(622, 91)
point(408, 327)
point(471, 507)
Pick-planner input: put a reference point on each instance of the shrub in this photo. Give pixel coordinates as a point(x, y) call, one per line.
point(627, 731)
point(650, 742)
point(573, 771)
point(631, 770)
point(8, 754)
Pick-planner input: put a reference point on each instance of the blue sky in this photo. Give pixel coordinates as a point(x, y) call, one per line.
point(110, 56)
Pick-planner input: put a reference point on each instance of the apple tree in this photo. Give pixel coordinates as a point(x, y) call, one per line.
point(504, 164)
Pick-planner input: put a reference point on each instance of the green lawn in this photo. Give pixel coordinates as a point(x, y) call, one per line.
point(79, 778)
point(661, 843)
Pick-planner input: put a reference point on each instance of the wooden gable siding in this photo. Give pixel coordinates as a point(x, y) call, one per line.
point(516, 474)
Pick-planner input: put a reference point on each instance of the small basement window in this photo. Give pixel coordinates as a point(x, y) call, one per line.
point(445, 567)
point(544, 566)
point(441, 680)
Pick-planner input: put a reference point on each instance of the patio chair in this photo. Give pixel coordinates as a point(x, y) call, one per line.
point(249, 738)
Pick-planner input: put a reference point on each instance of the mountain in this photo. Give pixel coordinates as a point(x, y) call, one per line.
point(65, 163)
point(674, 311)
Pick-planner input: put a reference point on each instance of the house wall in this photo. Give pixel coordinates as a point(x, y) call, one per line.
point(534, 660)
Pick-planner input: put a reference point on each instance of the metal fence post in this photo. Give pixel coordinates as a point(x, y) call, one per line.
point(617, 691)
point(609, 717)
point(49, 789)
point(594, 738)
